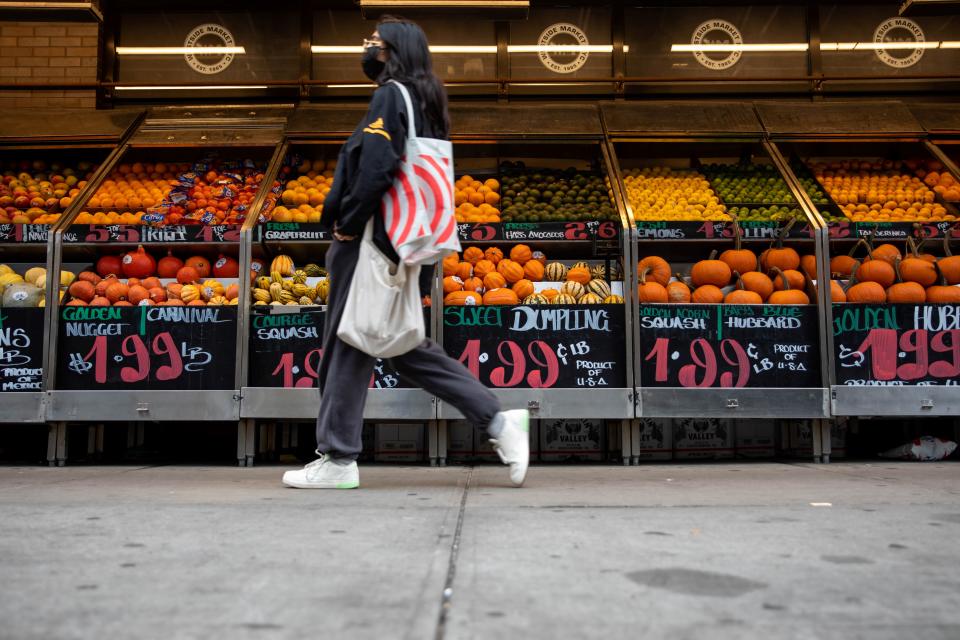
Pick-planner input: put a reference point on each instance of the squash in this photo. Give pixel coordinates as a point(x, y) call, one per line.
point(711, 271)
point(493, 254)
point(536, 298)
point(707, 294)
point(540, 257)
point(204, 268)
point(312, 270)
point(137, 294)
point(739, 259)
point(168, 266)
point(450, 263)
point(523, 288)
point(599, 287)
point(190, 293)
point(22, 295)
point(533, 271)
point(887, 253)
point(563, 298)
point(906, 293)
point(521, 254)
point(837, 294)
point(598, 272)
point(500, 297)
point(650, 291)
point(950, 264)
point(808, 265)
point(779, 256)
point(742, 296)
point(282, 263)
point(99, 301)
point(451, 284)
point(299, 276)
point(173, 290)
point(494, 280)
point(158, 295)
point(555, 272)
point(914, 268)
point(788, 294)
point(942, 292)
point(82, 290)
point(879, 271)
point(678, 292)
point(117, 292)
point(34, 273)
point(473, 255)
point(794, 279)
point(590, 298)
point(579, 274)
point(464, 271)
point(658, 269)
point(109, 266)
point(473, 284)
point(463, 298)
point(226, 267)
point(483, 267)
point(867, 291)
point(89, 276)
point(187, 275)
point(550, 294)
point(211, 289)
point(573, 289)
point(276, 292)
point(138, 264)
point(613, 299)
point(759, 283)
point(510, 270)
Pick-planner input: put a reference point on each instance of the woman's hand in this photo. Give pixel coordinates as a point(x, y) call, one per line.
point(341, 237)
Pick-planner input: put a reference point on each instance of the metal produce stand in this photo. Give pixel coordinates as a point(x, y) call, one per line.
point(170, 134)
point(66, 136)
point(865, 130)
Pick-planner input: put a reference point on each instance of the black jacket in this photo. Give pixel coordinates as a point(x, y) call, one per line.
point(368, 162)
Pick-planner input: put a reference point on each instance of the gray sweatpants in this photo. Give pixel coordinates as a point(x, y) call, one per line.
point(345, 372)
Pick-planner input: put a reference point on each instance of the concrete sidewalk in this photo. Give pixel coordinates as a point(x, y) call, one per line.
point(673, 551)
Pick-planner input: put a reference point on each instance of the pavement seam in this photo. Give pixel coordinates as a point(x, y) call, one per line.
point(446, 596)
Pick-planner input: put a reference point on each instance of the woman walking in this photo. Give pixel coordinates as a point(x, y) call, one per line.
point(398, 52)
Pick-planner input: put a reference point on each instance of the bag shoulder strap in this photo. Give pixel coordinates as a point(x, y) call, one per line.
point(412, 124)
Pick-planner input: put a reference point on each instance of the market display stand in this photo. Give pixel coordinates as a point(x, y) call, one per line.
point(593, 378)
point(279, 367)
point(886, 359)
point(68, 139)
point(139, 364)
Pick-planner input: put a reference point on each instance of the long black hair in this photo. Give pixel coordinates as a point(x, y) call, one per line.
point(409, 60)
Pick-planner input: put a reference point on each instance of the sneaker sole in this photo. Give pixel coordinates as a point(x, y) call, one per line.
point(526, 429)
point(306, 485)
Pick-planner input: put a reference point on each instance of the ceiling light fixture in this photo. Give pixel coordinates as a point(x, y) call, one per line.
point(211, 87)
point(180, 51)
point(738, 48)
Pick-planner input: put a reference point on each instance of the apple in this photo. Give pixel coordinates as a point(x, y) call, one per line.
point(21, 201)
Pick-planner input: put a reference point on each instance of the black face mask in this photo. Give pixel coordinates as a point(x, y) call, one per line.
point(371, 66)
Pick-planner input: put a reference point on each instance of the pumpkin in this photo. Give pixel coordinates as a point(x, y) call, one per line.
point(117, 292)
point(759, 283)
point(101, 288)
point(742, 296)
point(842, 266)
point(650, 290)
point(788, 296)
point(906, 293)
point(523, 288)
point(483, 267)
point(217, 301)
point(555, 272)
point(151, 282)
point(533, 271)
point(521, 254)
point(451, 284)
point(500, 296)
point(678, 292)
point(168, 265)
point(879, 271)
point(739, 259)
point(866, 292)
point(258, 266)
point(550, 294)
point(707, 294)
point(599, 287)
point(942, 292)
point(450, 264)
point(580, 265)
point(100, 301)
point(226, 267)
point(563, 298)
point(82, 290)
point(950, 264)
point(794, 279)
point(89, 276)
point(211, 289)
point(197, 303)
point(109, 265)
point(590, 298)
point(711, 271)
point(282, 264)
point(202, 265)
point(510, 270)
point(493, 254)
point(132, 281)
point(613, 299)
point(173, 290)
point(494, 280)
point(157, 294)
point(777, 255)
point(536, 298)
point(540, 257)
point(658, 269)
point(473, 255)
point(190, 293)
point(22, 295)
point(464, 271)
point(837, 294)
point(462, 298)
point(598, 272)
point(138, 264)
point(187, 275)
point(579, 274)
point(914, 268)
point(573, 289)
point(137, 293)
point(76, 302)
point(175, 302)
point(473, 284)
point(887, 253)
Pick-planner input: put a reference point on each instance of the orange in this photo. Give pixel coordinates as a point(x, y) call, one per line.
point(491, 198)
point(476, 198)
point(493, 184)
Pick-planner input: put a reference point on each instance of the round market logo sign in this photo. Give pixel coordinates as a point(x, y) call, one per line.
point(717, 32)
point(563, 34)
point(209, 35)
point(899, 30)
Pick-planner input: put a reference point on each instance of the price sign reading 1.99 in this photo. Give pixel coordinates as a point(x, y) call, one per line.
point(706, 346)
point(149, 347)
point(539, 347)
point(897, 344)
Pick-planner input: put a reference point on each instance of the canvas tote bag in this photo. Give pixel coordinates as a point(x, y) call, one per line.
point(418, 209)
point(383, 315)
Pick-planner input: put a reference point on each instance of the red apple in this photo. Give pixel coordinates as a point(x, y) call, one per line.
point(21, 202)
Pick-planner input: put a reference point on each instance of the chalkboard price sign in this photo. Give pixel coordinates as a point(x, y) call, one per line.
point(750, 346)
point(145, 234)
point(897, 344)
point(149, 347)
point(286, 347)
point(21, 349)
point(539, 347)
point(750, 230)
point(27, 233)
point(587, 231)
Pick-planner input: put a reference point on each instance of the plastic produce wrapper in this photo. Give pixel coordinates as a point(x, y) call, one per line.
point(923, 449)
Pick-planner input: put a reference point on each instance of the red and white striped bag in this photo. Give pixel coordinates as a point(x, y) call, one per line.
point(418, 210)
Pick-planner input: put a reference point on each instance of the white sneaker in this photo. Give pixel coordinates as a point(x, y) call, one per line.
point(324, 473)
point(513, 443)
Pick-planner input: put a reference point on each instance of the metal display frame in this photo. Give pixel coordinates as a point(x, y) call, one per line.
point(189, 127)
point(102, 132)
